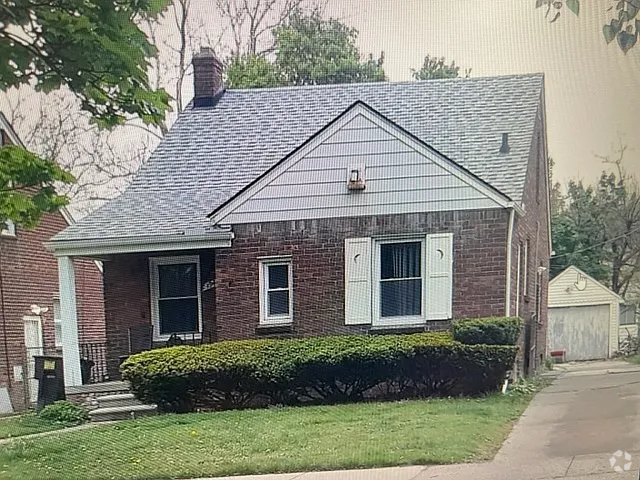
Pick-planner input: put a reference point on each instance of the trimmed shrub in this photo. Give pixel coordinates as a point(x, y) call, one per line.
point(239, 374)
point(65, 413)
point(487, 331)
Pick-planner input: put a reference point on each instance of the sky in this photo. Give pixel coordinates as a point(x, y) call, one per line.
point(592, 89)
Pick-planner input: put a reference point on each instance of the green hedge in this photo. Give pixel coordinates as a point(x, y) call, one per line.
point(487, 331)
point(237, 374)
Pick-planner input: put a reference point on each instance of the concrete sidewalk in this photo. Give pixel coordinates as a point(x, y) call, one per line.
point(570, 430)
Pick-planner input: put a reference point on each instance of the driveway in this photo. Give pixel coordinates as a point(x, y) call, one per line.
point(570, 430)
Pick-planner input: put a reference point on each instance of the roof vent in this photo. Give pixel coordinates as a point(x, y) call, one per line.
point(505, 148)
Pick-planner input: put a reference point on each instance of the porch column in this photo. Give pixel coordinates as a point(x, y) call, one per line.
point(68, 311)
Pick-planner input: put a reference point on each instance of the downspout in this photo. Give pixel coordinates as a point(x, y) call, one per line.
point(512, 219)
point(5, 342)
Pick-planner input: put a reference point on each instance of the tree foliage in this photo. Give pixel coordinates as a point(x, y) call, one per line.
point(93, 47)
point(253, 71)
point(624, 26)
point(96, 50)
point(312, 51)
point(309, 50)
point(598, 229)
point(27, 186)
point(435, 68)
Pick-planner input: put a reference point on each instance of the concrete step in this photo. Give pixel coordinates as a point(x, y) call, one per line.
point(122, 413)
point(119, 400)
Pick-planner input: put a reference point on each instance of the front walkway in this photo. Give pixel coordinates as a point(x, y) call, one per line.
point(570, 430)
point(84, 426)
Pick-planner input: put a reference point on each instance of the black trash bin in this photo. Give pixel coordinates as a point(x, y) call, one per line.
point(49, 372)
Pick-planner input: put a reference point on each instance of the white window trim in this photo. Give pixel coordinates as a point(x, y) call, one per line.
point(378, 320)
point(518, 280)
point(9, 229)
point(154, 262)
point(525, 268)
point(265, 319)
point(57, 320)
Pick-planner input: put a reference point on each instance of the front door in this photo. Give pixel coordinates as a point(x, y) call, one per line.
point(35, 346)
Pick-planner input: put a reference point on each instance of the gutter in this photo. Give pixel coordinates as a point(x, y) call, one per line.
point(156, 243)
point(512, 218)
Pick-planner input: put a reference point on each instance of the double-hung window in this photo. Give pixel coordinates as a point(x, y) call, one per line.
point(399, 282)
point(401, 279)
point(176, 303)
point(276, 292)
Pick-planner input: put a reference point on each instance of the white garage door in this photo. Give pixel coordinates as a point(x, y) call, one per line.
point(582, 331)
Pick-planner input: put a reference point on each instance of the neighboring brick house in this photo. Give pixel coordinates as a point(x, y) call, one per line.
point(30, 322)
point(334, 209)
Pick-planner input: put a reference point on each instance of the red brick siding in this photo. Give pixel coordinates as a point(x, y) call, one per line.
point(30, 276)
point(534, 227)
point(317, 250)
point(128, 300)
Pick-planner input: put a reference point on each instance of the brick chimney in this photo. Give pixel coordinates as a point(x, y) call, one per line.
point(207, 78)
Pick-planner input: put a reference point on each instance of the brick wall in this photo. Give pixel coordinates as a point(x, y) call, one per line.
point(317, 250)
point(128, 300)
point(30, 276)
point(534, 228)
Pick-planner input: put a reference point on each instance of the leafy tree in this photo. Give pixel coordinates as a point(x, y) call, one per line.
point(557, 198)
point(253, 71)
point(435, 68)
point(312, 51)
point(96, 50)
point(623, 27)
point(598, 229)
point(309, 50)
point(577, 234)
point(27, 186)
point(92, 47)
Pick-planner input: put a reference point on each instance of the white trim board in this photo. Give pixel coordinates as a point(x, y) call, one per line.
point(360, 111)
point(114, 246)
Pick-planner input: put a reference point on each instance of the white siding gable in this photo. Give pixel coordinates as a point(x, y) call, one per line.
point(573, 287)
point(402, 176)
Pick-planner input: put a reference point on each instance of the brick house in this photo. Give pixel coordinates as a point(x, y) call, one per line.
point(334, 209)
point(30, 321)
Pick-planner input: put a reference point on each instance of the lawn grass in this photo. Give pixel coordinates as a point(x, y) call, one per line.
point(271, 440)
point(17, 426)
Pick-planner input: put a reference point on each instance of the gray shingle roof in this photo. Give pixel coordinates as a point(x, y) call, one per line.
point(212, 153)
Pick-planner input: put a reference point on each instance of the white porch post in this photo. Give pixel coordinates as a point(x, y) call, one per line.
point(68, 311)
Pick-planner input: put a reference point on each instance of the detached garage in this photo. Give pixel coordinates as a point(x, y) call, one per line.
point(584, 317)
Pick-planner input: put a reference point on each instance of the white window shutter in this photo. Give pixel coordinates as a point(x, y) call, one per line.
point(439, 276)
point(357, 281)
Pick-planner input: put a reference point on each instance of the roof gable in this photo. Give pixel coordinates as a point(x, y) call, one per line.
point(210, 154)
point(403, 175)
point(574, 281)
